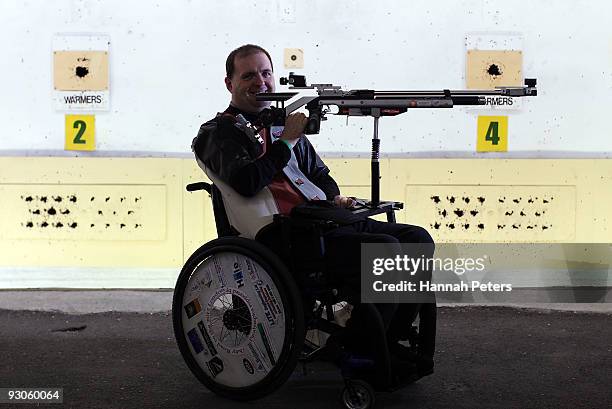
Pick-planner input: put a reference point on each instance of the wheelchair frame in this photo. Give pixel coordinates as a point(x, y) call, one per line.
point(204, 350)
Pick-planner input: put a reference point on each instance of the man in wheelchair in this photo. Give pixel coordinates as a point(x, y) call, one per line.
point(277, 171)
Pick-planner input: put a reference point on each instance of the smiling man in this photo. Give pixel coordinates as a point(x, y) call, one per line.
point(249, 72)
point(277, 170)
point(273, 171)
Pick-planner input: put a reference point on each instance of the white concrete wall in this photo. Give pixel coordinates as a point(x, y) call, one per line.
point(167, 68)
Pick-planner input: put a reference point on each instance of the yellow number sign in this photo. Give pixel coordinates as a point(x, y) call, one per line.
point(80, 131)
point(492, 134)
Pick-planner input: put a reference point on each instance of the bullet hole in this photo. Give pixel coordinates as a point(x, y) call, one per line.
point(29, 198)
point(501, 226)
point(29, 224)
point(43, 199)
point(107, 225)
point(466, 226)
point(459, 212)
point(516, 226)
point(481, 200)
point(494, 70)
point(530, 200)
point(37, 211)
point(107, 199)
point(451, 199)
point(436, 226)
point(70, 329)
point(73, 225)
point(523, 213)
point(44, 224)
point(137, 199)
point(436, 199)
point(293, 57)
point(91, 225)
point(65, 211)
point(444, 213)
point(100, 212)
point(466, 199)
point(502, 200)
point(538, 214)
point(122, 225)
point(92, 199)
point(516, 200)
point(544, 227)
point(59, 225)
point(451, 226)
point(51, 211)
point(114, 212)
point(529, 227)
point(122, 199)
point(481, 226)
point(130, 211)
point(474, 212)
point(57, 198)
point(137, 226)
point(81, 72)
point(509, 213)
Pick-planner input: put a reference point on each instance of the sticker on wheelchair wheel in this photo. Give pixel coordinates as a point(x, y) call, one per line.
point(207, 340)
point(215, 366)
point(195, 341)
point(242, 322)
point(193, 308)
point(260, 365)
point(248, 366)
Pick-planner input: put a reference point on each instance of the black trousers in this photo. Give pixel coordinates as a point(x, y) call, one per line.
point(342, 260)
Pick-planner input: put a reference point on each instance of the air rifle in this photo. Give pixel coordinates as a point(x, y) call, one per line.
point(365, 102)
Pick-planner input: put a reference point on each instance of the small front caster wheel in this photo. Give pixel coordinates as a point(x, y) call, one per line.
point(358, 394)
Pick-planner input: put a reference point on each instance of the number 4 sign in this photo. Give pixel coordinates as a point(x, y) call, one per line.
point(80, 130)
point(492, 134)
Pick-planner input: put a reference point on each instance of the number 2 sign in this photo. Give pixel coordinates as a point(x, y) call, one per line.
point(80, 131)
point(492, 134)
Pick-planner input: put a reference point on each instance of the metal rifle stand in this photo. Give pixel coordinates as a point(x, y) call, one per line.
point(375, 162)
point(375, 206)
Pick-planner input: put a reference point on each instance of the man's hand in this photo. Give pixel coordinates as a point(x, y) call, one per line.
point(344, 202)
point(294, 128)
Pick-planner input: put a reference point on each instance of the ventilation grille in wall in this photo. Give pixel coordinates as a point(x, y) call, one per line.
point(494, 213)
point(83, 212)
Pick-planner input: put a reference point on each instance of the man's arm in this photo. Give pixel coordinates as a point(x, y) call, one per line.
point(232, 156)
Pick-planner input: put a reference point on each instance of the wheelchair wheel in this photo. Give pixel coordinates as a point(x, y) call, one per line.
point(358, 394)
point(238, 318)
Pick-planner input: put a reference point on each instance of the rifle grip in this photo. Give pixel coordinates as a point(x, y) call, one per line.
point(314, 124)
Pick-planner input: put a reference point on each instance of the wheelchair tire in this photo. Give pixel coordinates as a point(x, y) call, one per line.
point(238, 318)
point(358, 394)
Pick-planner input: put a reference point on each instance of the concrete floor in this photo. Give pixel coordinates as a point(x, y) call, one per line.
point(486, 357)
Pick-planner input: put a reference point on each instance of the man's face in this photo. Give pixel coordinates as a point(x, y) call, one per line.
point(252, 75)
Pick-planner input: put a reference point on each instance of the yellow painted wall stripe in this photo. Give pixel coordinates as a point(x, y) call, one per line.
point(173, 222)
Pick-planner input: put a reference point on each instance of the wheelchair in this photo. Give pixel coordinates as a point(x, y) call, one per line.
point(244, 315)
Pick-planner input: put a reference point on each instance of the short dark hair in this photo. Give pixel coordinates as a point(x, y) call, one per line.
point(243, 51)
